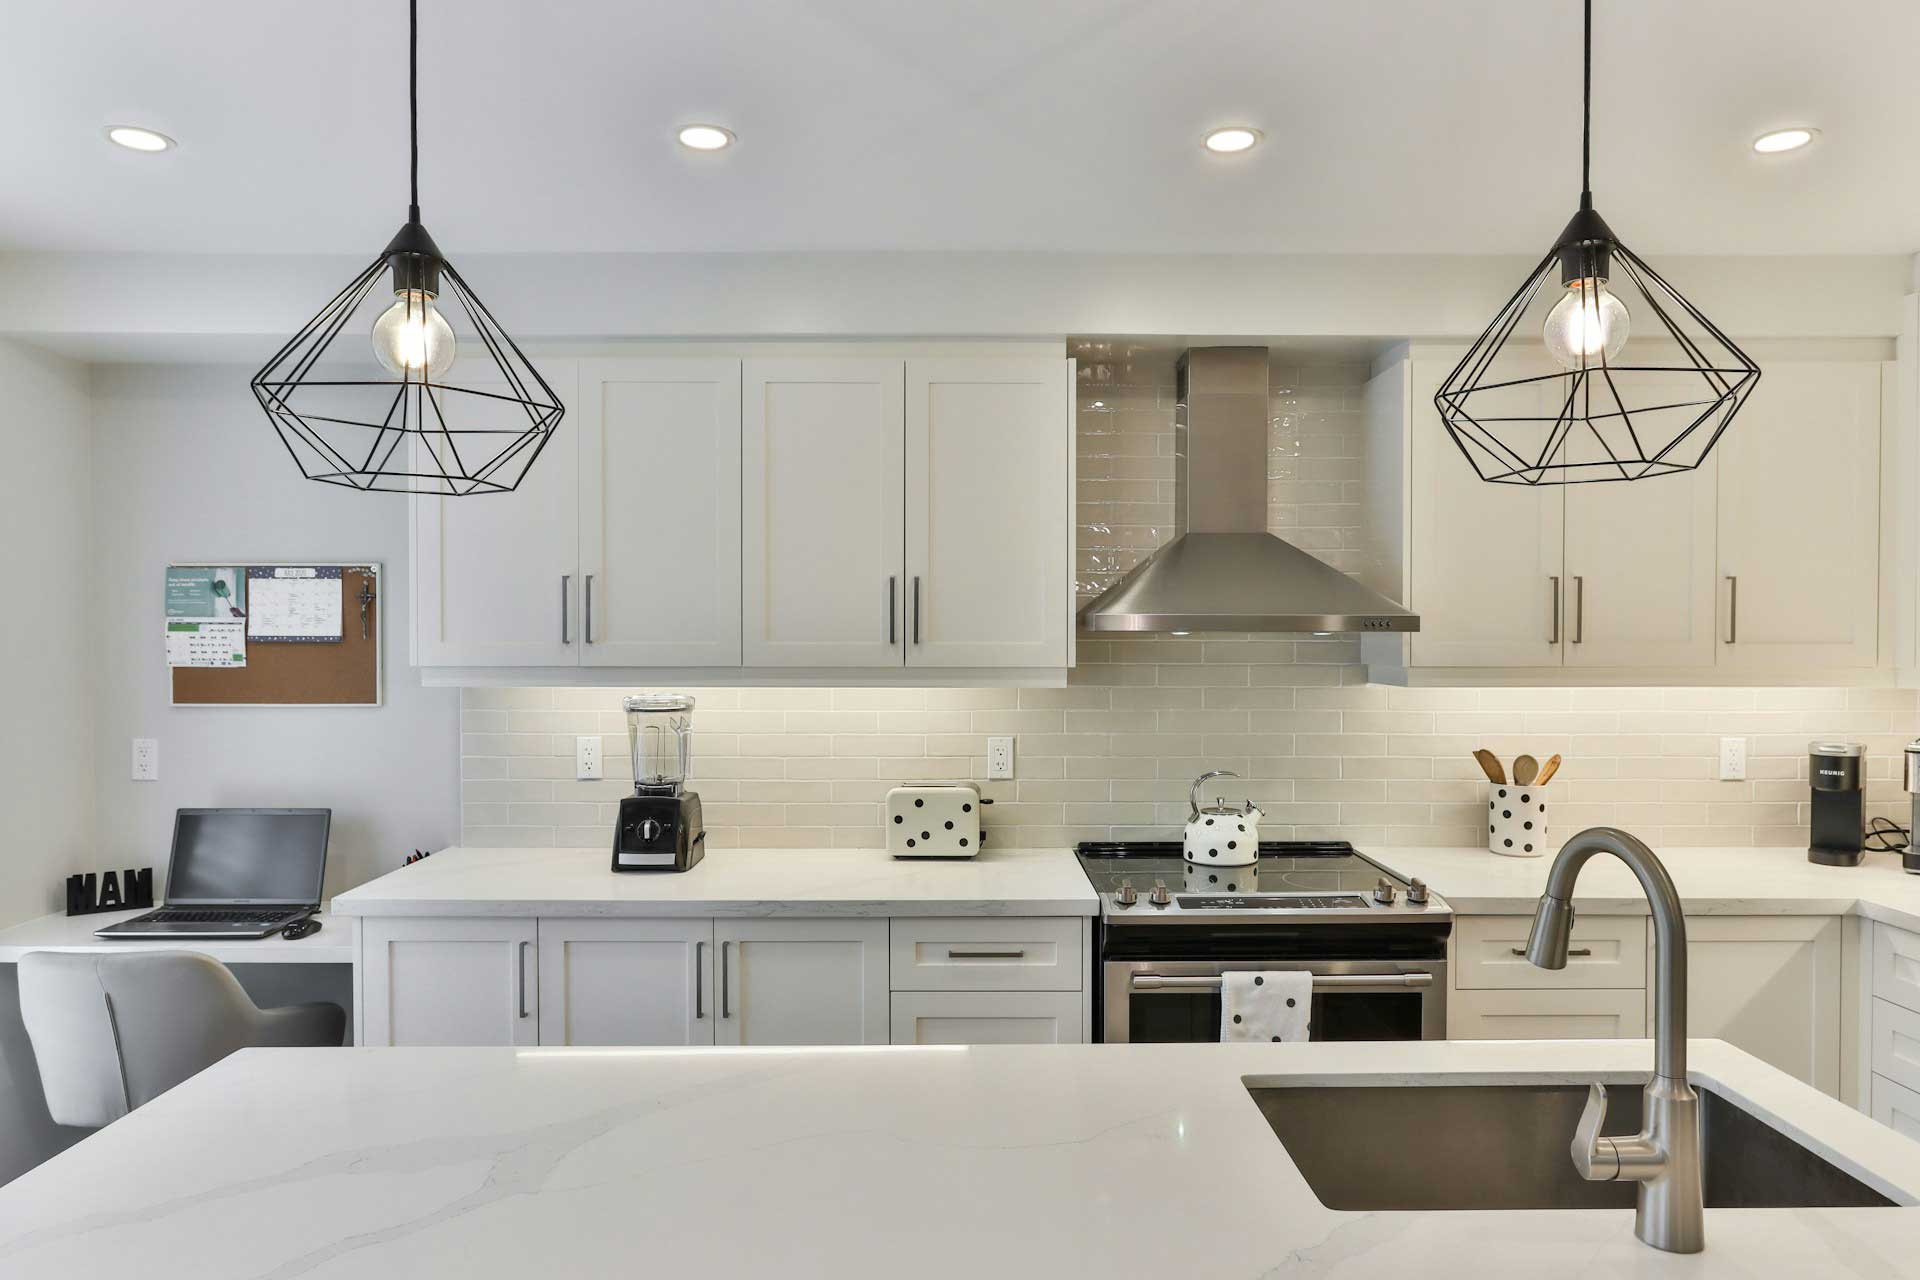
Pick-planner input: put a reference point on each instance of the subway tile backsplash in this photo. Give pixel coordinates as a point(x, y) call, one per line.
point(1322, 752)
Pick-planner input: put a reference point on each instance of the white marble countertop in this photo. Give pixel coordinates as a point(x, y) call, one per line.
point(1014, 1161)
point(1734, 881)
point(730, 882)
point(332, 945)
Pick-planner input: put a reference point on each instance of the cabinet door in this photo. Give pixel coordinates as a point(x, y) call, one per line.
point(1799, 520)
point(1640, 572)
point(448, 982)
point(1896, 1107)
point(1618, 1014)
point(660, 513)
point(1486, 572)
point(625, 982)
point(986, 1017)
point(987, 512)
point(488, 569)
point(822, 534)
point(1769, 985)
point(802, 981)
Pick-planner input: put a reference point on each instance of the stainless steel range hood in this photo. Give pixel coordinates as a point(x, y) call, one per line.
point(1223, 571)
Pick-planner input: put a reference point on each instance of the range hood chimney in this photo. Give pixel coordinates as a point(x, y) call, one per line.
point(1223, 571)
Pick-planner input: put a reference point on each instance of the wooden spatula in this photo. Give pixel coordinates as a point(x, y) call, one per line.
point(1547, 771)
point(1525, 770)
point(1490, 765)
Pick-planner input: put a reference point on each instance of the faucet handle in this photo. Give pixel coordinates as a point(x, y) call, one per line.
point(1595, 1158)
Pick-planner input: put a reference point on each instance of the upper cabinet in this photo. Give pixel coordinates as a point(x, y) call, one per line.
point(782, 517)
point(1762, 563)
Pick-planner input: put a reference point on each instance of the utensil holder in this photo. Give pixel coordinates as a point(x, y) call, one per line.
point(1516, 820)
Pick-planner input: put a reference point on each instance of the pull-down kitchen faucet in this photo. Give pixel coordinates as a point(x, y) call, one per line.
point(1664, 1157)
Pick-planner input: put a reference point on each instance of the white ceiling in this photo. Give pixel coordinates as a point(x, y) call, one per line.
point(1393, 125)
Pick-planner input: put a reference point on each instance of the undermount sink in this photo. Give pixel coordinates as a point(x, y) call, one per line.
point(1416, 1147)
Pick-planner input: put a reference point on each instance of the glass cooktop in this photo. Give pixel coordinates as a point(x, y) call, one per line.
point(1323, 867)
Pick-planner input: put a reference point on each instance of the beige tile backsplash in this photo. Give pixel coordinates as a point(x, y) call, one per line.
point(1321, 752)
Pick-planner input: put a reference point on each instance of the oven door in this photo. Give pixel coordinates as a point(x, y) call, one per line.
point(1162, 1001)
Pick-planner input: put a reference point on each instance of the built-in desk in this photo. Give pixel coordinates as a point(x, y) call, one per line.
point(332, 945)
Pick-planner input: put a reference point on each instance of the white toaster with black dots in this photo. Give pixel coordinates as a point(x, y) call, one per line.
point(934, 820)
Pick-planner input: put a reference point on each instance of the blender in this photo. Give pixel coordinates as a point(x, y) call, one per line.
point(659, 828)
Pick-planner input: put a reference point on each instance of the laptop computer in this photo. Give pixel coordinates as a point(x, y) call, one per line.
point(237, 873)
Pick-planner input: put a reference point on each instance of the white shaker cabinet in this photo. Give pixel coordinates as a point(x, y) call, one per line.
point(986, 1017)
point(659, 513)
point(988, 527)
point(1769, 985)
point(626, 982)
point(496, 578)
point(1640, 572)
point(448, 981)
point(1799, 518)
point(803, 981)
point(823, 510)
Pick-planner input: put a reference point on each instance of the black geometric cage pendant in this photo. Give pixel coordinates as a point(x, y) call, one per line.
point(1557, 392)
point(413, 430)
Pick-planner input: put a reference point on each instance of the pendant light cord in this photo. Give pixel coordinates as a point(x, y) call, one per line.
point(1586, 111)
point(413, 104)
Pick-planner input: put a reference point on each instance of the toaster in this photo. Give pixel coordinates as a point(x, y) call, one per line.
point(934, 820)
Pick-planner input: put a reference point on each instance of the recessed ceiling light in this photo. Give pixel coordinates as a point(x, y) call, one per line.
point(134, 138)
point(706, 137)
point(1233, 138)
point(1784, 140)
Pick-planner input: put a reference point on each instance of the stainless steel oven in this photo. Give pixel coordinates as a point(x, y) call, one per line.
point(1160, 1001)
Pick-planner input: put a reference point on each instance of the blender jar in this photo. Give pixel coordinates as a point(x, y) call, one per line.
point(660, 738)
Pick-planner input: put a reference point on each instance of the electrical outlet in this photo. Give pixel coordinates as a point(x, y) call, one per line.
point(1733, 759)
point(146, 759)
point(586, 757)
point(999, 759)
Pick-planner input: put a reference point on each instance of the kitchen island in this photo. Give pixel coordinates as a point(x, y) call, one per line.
point(500, 1164)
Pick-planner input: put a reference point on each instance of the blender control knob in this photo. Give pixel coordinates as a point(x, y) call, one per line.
point(1161, 895)
point(1417, 893)
point(649, 829)
point(1126, 895)
point(1383, 893)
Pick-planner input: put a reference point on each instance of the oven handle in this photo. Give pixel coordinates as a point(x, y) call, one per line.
point(1321, 982)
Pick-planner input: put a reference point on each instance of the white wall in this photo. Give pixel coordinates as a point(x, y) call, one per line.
point(46, 751)
point(187, 468)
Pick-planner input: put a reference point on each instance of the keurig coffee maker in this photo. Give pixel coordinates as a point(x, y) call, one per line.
point(1909, 856)
point(1839, 805)
point(659, 828)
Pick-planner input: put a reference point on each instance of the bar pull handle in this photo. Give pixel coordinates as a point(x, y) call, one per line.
point(566, 581)
point(916, 608)
point(520, 976)
point(699, 982)
point(1579, 608)
point(588, 604)
point(1576, 953)
point(1017, 954)
point(726, 1006)
point(893, 613)
point(1321, 982)
point(1553, 610)
point(1733, 609)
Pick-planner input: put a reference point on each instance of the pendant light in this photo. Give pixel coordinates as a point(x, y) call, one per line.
point(1629, 380)
point(412, 430)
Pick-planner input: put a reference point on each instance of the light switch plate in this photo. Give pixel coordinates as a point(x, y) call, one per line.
point(146, 759)
point(999, 759)
point(1733, 759)
point(586, 757)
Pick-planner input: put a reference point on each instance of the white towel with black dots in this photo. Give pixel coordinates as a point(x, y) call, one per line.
point(1265, 1007)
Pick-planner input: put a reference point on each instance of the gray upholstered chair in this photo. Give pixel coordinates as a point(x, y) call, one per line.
point(113, 1032)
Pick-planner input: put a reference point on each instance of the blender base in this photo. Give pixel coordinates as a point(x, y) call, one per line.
point(659, 833)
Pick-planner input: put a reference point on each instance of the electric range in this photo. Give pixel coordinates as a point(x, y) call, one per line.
point(1375, 941)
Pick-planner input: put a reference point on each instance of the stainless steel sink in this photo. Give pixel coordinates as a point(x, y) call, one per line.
point(1505, 1147)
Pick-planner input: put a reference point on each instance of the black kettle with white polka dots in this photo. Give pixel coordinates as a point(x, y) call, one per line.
point(1221, 834)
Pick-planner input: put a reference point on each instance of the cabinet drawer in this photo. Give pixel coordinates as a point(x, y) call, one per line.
point(1896, 966)
point(1896, 1044)
point(986, 1017)
point(1614, 947)
point(1547, 1015)
point(1896, 1107)
point(1039, 953)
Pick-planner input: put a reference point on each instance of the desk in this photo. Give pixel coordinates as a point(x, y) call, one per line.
point(273, 970)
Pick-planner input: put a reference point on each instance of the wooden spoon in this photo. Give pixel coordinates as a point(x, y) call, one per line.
point(1546, 773)
point(1525, 770)
point(1490, 765)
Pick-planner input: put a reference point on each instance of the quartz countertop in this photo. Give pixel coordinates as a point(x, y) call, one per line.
point(332, 945)
point(1012, 1161)
point(1711, 881)
point(730, 882)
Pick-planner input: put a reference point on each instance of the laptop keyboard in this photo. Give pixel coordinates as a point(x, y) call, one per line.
point(220, 915)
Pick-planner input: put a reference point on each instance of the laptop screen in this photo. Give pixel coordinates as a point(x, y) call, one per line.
point(248, 855)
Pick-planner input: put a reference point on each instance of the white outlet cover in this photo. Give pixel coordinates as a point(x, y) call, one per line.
point(146, 760)
point(1733, 759)
point(586, 757)
point(999, 759)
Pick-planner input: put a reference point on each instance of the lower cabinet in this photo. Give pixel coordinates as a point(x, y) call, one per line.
point(617, 982)
point(986, 1017)
point(1563, 1014)
point(1769, 985)
point(448, 982)
point(802, 981)
point(1896, 1106)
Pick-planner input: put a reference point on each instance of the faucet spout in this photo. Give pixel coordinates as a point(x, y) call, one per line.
point(1664, 1158)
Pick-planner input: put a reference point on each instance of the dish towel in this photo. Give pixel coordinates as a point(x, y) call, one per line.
point(1264, 1007)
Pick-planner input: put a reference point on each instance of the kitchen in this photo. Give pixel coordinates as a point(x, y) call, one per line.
point(857, 498)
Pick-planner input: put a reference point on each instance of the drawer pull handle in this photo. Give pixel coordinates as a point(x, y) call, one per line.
point(1574, 953)
point(986, 955)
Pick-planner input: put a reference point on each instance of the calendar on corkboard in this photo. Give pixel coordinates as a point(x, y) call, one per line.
point(260, 634)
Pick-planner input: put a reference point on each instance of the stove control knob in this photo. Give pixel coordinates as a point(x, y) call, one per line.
point(1126, 895)
point(1383, 893)
point(1417, 893)
point(649, 829)
point(1161, 895)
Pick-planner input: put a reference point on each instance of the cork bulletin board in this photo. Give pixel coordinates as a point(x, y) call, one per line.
point(298, 670)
